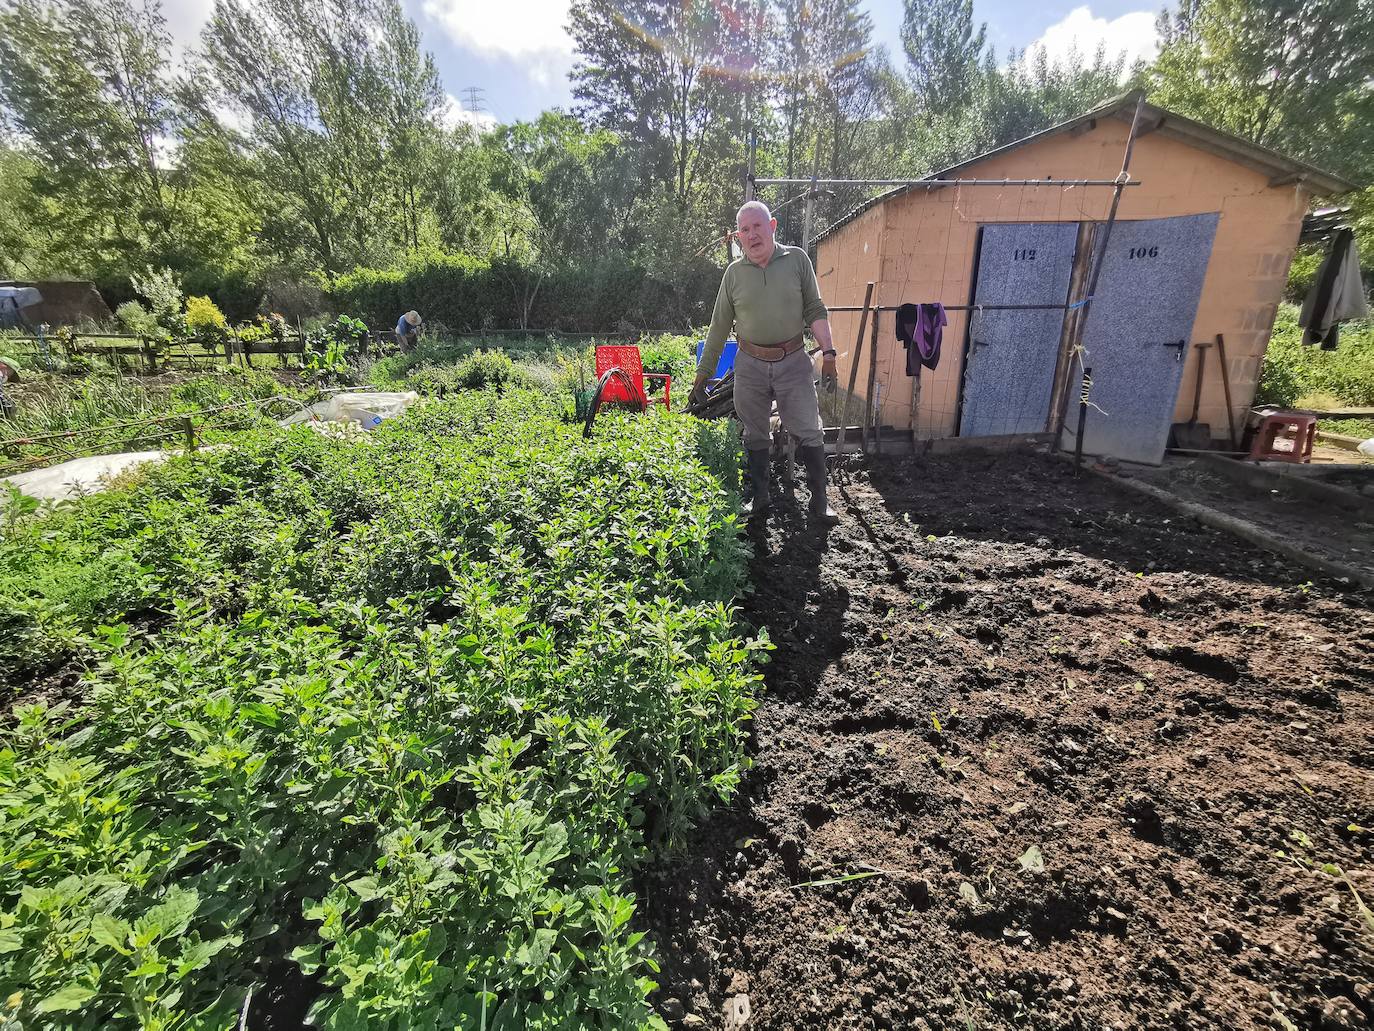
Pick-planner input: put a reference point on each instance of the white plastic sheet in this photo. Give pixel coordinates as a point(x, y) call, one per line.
point(365, 408)
point(81, 475)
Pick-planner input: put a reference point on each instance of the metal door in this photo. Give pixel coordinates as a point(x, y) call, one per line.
point(1137, 335)
point(1009, 371)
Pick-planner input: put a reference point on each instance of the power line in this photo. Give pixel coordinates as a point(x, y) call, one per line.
point(476, 99)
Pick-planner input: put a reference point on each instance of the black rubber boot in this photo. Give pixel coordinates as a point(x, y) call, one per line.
point(757, 505)
point(814, 459)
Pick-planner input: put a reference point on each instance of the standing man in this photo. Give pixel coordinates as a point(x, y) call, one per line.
point(770, 296)
point(408, 330)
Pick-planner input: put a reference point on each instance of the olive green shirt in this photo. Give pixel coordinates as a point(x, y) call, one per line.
point(765, 305)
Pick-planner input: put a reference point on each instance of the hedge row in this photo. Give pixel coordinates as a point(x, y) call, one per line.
point(469, 295)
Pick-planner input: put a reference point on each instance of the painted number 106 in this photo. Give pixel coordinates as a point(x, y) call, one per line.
point(1145, 252)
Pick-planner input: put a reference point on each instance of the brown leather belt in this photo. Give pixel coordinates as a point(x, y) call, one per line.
point(772, 352)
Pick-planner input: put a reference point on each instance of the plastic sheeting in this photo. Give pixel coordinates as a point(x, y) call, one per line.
point(365, 408)
point(81, 475)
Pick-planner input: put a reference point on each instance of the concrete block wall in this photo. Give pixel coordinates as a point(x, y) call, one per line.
point(920, 247)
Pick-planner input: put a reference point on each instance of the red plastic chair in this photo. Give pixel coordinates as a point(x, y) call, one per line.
point(629, 388)
point(620, 380)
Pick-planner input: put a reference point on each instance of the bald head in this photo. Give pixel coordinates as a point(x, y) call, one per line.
point(755, 226)
point(756, 207)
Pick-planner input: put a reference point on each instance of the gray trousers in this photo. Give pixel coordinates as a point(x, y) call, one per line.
point(790, 381)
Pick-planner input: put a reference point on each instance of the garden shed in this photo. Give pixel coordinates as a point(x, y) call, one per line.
point(57, 302)
point(1200, 248)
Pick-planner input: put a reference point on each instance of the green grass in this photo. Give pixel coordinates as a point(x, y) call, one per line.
point(1362, 429)
point(406, 712)
point(1294, 374)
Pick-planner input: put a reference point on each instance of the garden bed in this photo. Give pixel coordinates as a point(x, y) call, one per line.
point(1070, 760)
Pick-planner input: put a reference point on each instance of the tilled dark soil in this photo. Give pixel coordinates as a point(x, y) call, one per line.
point(1092, 755)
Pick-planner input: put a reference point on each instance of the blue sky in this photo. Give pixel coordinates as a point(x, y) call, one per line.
point(518, 51)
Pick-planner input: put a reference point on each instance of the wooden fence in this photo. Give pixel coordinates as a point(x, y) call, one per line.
point(154, 354)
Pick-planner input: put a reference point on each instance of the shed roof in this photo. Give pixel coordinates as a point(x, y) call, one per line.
point(1281, 169)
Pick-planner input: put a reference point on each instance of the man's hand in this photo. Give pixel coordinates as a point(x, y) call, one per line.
point(829, 377)
point(698, 393)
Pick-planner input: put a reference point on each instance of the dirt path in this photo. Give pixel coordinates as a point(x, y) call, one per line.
point(1339, 534)
point(992, 660)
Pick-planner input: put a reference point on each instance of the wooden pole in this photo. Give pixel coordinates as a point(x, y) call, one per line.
point(854, 367)
point(1082, 420)
point(1226, 386)
point(915, 406)
point(1084, 305)
point(870, 409)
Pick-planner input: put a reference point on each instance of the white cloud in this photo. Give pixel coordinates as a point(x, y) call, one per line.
point(1134, 33)
point(452, 114)
point(527, 29)
point(234, 121)
point(185, 19)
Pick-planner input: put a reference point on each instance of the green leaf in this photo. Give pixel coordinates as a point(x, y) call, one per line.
point(195, 955)
point(259, 713)
point(111, 931)
point(168, 918)
point(536, 951)
point(149, 967)
point(66, 999)
point(366, 888)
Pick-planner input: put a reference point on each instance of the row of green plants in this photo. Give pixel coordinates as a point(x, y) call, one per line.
point(406, 712)
point(44, 404)
point(440, 363)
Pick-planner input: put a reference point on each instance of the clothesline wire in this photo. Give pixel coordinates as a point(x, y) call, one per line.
point(959, 307)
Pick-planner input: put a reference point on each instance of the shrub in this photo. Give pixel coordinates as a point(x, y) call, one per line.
point(1293, 371)
point(162, 290)
point(471, 296)
point(203, 319)
point(138, 319)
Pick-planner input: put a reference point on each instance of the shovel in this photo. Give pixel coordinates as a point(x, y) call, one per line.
point(1193, 435)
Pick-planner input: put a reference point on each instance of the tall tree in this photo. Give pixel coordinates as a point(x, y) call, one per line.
point(944, 51)
point(671, 79)
point(1289, 74)
point(338, 104)
point(827, 89)
point(88, 86)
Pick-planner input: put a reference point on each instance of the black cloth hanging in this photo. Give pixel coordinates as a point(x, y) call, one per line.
point(920, 328)
point(1336, 295)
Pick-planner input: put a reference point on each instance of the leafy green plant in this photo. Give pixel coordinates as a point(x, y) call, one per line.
point(137, 319)
point(205, 320)
point(1294, 373)
point(408, 712)
point(161, 288)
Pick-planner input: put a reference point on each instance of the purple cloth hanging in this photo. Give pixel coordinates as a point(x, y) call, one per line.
point(922, 325)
